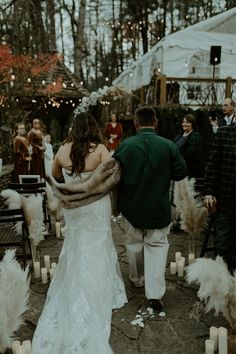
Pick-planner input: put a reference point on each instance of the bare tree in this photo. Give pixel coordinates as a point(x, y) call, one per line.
point(51, 28)
point(77, 19)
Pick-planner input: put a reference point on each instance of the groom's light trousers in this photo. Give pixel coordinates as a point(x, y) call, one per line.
point(147, 254)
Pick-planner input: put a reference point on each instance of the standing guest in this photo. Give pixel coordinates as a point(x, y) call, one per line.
point(220, 182)
point(22, 158)
point(86, 286)
point(190, 144)
point(149, 163)
point(228, 110)
point(35, 139)
point(48, 155)
point(114, 133)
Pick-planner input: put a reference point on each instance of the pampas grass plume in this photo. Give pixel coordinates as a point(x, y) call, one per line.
point(217, 286)
point(14, 294)
point(188, 202)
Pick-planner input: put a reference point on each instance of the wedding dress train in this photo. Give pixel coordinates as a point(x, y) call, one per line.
point(87, 285)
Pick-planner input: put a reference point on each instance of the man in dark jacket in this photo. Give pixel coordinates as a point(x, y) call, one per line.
point(220, 182)
point(148, 162)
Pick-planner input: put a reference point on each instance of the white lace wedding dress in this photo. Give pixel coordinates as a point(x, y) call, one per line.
point(87, 285)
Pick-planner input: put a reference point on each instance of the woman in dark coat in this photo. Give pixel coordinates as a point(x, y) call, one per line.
point(190, 144)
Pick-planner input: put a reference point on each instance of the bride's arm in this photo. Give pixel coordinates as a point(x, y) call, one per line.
point(57, 168)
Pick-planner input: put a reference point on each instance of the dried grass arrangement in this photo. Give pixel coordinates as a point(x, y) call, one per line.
point(14, 294)
point(217, 286)
point(193, 214)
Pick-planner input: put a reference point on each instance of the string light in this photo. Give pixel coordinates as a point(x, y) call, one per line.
point(29, 79)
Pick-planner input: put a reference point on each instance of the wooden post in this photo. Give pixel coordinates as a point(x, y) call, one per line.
point(155, 89)
point(228, 85)
point(163, 91)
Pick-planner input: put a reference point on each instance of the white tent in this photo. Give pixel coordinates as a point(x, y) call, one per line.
point(186, 53)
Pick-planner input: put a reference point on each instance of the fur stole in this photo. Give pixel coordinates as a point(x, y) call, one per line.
point(82, 191)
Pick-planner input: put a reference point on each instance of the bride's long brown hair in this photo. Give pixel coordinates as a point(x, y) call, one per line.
point(84, 132)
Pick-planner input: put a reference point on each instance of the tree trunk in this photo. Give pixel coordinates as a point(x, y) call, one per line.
point(79, 49)
point(51, 25)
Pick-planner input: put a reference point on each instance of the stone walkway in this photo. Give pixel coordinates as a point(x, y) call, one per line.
point(183, 328)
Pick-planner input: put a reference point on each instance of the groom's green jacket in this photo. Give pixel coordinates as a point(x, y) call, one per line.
point(148, 162)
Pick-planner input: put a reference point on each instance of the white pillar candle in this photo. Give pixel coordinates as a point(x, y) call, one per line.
point(14, 345)
point(20, 350)
point(47, 262)
point(51, 272)
point(214, 332)
point(58, 229)
point(180, 268)
point(54, 265)
point(37, 269)
point(0, 167)
point(191, 258)
point(223, 341)
point(183, 260)
point(209, 346)
point(177, 257)
point(44, 274)
point(62, 232)
point(26, 344)
point(173, 268)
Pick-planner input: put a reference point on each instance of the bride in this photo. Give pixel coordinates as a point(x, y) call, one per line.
point(87, 285)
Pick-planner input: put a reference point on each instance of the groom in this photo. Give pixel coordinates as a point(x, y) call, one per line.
point(148, 162)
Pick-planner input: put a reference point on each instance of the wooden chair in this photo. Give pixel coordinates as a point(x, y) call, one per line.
point(34, 188)
point(8, 236)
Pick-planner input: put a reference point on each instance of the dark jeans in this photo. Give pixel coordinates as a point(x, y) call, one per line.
point(225, 237)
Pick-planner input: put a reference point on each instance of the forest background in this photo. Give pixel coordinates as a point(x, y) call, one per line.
point(96, 39)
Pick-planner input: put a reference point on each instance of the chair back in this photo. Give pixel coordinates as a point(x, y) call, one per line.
point(28, 188)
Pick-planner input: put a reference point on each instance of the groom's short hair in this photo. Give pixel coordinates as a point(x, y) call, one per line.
point(146, 116)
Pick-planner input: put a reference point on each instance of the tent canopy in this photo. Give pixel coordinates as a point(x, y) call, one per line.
point(186, 53)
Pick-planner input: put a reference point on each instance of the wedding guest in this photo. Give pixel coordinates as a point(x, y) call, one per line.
point(149, 163)
point(114, 133)
point(220, 198)
point(48, 155)
point(190, 144)
point(228, 110)
point(21, 152)
point(35, 139)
